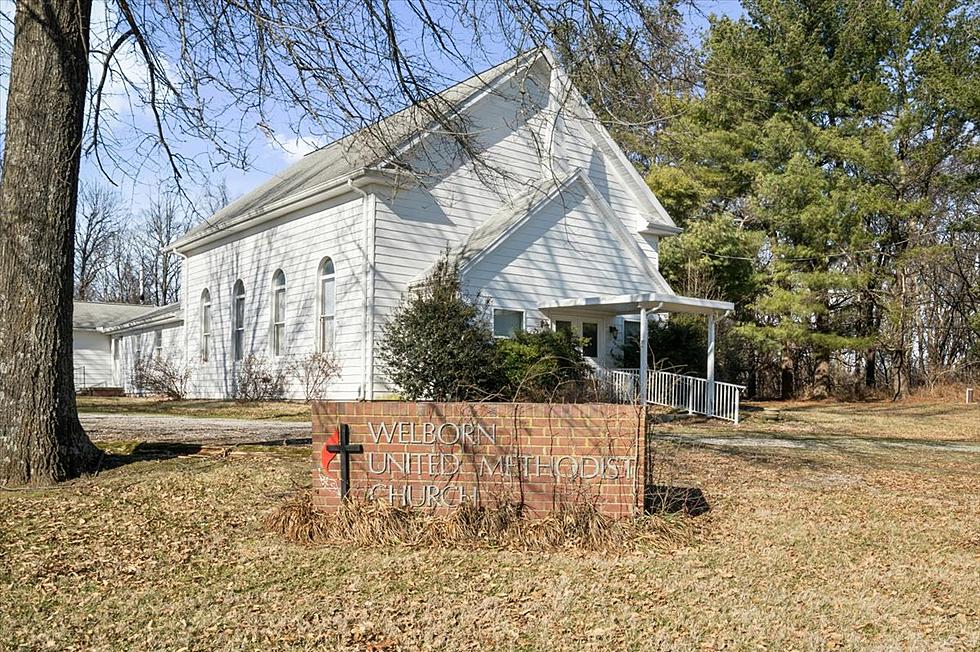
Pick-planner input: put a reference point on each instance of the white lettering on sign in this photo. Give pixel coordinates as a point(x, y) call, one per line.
point(423, 495)
point(433, 478)
point(565, 467)
point(445, 434)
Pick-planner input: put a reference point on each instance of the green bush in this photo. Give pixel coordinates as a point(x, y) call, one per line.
point(541, 365)
point(438, 345)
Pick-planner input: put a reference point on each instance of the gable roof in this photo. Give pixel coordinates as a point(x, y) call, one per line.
point(374, 150)
point(373, 145)
point(507, 219)
point(660, 222)
point(92, 315)
point(510, 217)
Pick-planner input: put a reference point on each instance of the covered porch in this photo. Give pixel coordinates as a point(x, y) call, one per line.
point(704, 396)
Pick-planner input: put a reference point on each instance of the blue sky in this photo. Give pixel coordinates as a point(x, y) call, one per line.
point(270, 149)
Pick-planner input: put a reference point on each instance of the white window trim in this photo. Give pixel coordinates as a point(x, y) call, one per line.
point(493, 320)
point(278, 351)
point(321, 276)
point(158, 343)
point(598, 337)
point(237, 325)
point(206, 317)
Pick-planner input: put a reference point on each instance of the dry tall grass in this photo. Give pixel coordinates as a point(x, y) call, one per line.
point(502, 524)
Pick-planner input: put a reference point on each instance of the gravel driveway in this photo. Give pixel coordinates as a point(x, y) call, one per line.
point(192, 430)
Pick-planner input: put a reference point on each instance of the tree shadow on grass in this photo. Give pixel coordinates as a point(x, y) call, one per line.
point(671, 499)
point(115, 456)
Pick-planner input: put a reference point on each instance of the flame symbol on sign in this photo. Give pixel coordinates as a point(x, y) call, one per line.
point(326, 457)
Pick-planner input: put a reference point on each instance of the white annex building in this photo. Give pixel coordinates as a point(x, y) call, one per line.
point(549, 221)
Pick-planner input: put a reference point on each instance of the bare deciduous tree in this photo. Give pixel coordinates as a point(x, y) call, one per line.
point(41, 438)
point(163, 222)
point(99, 222)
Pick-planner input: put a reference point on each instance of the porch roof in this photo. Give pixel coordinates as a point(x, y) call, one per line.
point(629, 304)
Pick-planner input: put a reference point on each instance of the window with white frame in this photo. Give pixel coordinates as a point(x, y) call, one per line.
point(507, 322)
point(327, 291)
point(205, 324)
point(278, 313)
point(158, 344)
point(238, 320)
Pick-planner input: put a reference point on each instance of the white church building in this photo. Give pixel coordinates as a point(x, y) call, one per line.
point(509, 172)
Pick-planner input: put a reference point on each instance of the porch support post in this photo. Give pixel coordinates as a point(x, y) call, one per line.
point(710, 371)
point(644, 337)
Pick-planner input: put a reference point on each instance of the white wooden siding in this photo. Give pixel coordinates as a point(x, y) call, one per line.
point(416, 226)
point(90, 355)
point(296, 245)
point(564, 250)
point(141, 344)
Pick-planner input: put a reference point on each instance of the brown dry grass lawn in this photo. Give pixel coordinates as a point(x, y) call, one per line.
point(806, 550)
point(911, 419)
point(202, 408)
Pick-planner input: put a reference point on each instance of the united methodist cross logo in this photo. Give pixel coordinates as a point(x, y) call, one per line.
point(339, 444)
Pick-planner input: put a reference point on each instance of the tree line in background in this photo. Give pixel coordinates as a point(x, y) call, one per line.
point(823, 159)
point(121, 255)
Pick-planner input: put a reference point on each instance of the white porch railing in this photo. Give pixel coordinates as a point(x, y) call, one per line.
point(673, 390)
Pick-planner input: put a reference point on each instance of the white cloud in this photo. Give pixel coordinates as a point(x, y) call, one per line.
point(296, 148)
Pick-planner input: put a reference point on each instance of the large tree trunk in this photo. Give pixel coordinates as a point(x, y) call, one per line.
point(42, 440)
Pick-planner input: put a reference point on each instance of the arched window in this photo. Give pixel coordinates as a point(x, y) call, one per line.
point(328, 281)
point(238, 320)
point(278, 313)
point(205, 324)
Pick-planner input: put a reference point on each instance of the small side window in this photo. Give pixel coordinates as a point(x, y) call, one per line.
point(158, 344)
point(507, 322)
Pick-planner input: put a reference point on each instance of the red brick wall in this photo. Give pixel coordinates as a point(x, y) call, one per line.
point(540, 454)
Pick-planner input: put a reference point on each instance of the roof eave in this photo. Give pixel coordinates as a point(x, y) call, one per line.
point(297, 201)
point(631, 303)
point(144, 324)
point(660, 229)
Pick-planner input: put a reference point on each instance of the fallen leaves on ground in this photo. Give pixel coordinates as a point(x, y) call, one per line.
point(802, 550)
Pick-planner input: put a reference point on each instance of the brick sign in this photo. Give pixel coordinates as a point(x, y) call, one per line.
point(437, 455)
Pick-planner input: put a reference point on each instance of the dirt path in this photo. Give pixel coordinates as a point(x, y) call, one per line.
point(192, 430)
